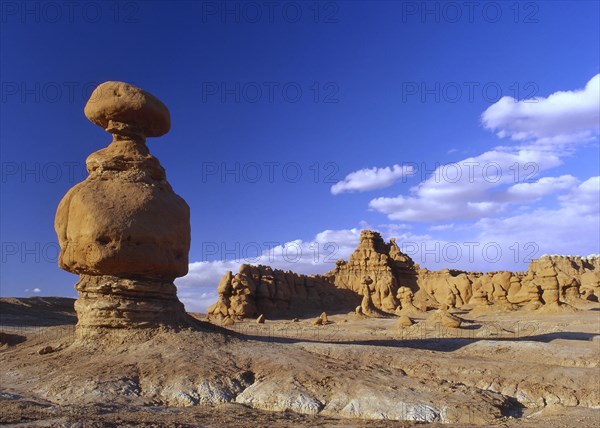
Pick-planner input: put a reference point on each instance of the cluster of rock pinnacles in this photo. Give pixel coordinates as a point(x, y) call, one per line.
point(123, 229)
point(380, 280)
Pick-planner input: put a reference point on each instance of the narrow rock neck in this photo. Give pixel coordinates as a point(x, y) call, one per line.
point(120, 130)
point(126, 153)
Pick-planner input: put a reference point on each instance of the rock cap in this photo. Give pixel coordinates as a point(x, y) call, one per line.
point(122, 107)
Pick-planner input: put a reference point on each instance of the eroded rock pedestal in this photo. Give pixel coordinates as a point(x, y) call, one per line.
point(123, 229)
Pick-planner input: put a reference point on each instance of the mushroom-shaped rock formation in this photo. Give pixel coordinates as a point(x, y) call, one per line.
point(123, 229)
point(405, 297)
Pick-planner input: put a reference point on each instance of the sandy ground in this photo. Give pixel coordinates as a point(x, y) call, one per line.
point(506, 368)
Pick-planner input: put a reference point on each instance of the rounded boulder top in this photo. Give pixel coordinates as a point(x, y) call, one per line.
point(129, 105)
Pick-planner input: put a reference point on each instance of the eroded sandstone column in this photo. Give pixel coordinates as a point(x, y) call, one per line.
point(123, 229)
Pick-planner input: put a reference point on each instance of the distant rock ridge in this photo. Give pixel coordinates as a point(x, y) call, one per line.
point(590, 257)
point(379, 280)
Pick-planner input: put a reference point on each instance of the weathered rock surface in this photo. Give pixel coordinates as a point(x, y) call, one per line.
point(379, 280)
point(123, 229)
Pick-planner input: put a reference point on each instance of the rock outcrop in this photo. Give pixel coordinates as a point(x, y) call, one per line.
point(260, 289)
point(123, 229)
point(385, 281)
point(551, 283)
point(381, 263)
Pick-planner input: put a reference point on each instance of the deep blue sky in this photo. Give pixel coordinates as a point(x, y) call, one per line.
point(365, 61)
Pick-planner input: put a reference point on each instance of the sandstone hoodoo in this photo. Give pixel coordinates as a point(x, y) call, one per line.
point(123, 229)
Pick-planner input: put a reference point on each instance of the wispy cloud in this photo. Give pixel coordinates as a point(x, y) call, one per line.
point(542, 187)
point(442, 227)
point(371, 179)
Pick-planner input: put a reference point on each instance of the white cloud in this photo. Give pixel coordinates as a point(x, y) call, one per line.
point(394, 227)
point(37, 290)
point(371, 178)
point(468, 189)
point(585, 198)
point(196, 300)
point(198, 289)
point(564, 116)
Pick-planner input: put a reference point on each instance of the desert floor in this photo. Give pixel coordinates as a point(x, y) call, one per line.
point(505, 369)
